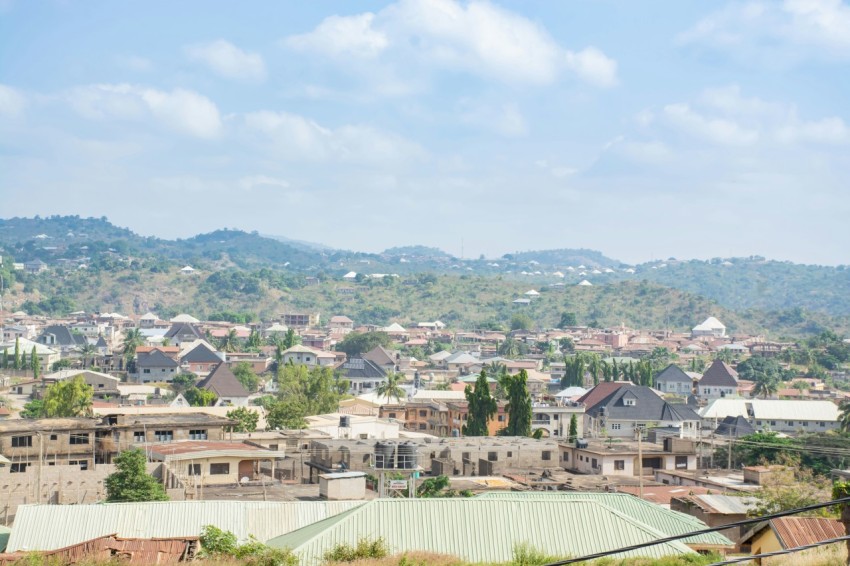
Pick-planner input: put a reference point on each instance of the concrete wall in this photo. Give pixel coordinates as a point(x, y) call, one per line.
point(339, 489)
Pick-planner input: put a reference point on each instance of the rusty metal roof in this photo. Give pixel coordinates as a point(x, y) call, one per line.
point(132, 551)
point(800, 531)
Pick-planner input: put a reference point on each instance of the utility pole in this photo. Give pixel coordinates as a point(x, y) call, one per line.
point(729, 463)
point(640, 462)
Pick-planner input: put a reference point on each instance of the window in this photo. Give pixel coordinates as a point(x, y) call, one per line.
point(273, 447)
point(804, 423)
point(18, 468)
point(464, 456)
point(546, 455)
point(100, 386)
point(54, 436)
point(422, 426)
point(79, 438)
point(492, 456)
point(510, 454)
point(423, 413)
point(146, 370)
point(615, 426)
point(21, 441)
point(629, 402)
point(565, 456)
point(138, 436)
point(772, 423)
point(219, 469)
point(758, 423)
point(391, 416)
point(594, 463)
point(822, 423)
point(619, 464)
point(200, 434)
point(681, 462)
point(164, 435)
point(83, 464)
point(194, 470)
point(501, 418)
point(789, 423)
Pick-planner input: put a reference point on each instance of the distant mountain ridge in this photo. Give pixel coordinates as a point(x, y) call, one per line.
point(740, 284)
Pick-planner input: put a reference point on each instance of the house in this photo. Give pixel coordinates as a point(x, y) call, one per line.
point(715, 510)
point(104, 386)
point(719, 380)
point(710, 327)
point(181, 332)
point(383, 358)
point(301, 355)
point(210, 463)
point(300, 320)
point(363, 375)
point(673, 380)
point(155, 366)
point(47, 356)
point(778, 415)
point(554, 420)
point(632, 407)
point(735, 427)
point(148, 320)
point(35, 266)
point(622, 458)
point(791, 532)
point(276, 329)
point(224, 384)
point(59, 337)
point(341, 322)
point(201, 358)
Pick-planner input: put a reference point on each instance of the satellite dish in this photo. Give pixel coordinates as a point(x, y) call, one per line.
point(244, 480)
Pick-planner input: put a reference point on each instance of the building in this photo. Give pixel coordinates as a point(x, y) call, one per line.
point(342, 486)
point(156, 366)
point(299, 320)
point(59, 337)
point(224, 384)
point(791, 532)
point(201, 359)
point(104, 386)
point(778, 415)
point(631, 407)
point(480, 530)
point(715, 510)
point(363, 375)
point(624, 458)
point(554, 420)
point(675, 381)
point(301, 355)
point(209, 463)
point(719, 380)
point(710, 327)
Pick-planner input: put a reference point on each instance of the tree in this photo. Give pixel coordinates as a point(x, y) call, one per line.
point(291, 339)
point(5, 362)
point(519, 405)
point(229, 342)
point(17, 360)
point(254, 341)
point(390, 389)
point(132, 339)
point(765, 386)
point(246, 376)
point(286, 414)
point(509, 348)
point(68, 398)
point(245, 418)
point(131, 482)
point(481, 406)
point(35, 364)
point(197, 397)
point(33, 410)
point(844, 418)
point(567, 319)
point(183, 381)
point(356, 343)
point(87, 351)
point(573, 434)
point(521, 321)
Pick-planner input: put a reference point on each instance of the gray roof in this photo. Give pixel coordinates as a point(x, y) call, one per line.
point(673, 374)
point(647, 406)
point(155, 359)
point(719, 374)
point(223, 383)
point(183, 329)
point(362, 368)
point(735, 427)
point(201, 354)
point(62, 336)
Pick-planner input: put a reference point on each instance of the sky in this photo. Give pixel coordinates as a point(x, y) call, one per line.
point(645, 130)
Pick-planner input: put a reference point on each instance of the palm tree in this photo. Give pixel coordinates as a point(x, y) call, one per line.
point(87, 351)
point(132, 339)
point(765, 386)
point(391, 388)
point(844, 417)
point(229, 342)
point(509, 348)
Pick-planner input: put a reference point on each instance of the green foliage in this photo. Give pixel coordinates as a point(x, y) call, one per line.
point(35, 365)
point(246, 376)
point(17, 359)
point(521, 321)
point(519, 405)
point(198, 397)
point(567, 319)
point(53, 306)
point(365, 548)
point(183, 381)
point(391, 388)
point(482, 407)
point(68, 398)
point(234, 317)
point(288, 413)
point(573, 434)
point(217, 542)
point(33, 410)
point(439, 487)
point(356, 343)
point(131, 482)
point(246, 419)
point(526, 555)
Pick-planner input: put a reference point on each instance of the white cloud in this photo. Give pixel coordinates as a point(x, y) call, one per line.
point(476, 37)
point(228, 61)
point(181, 110)
point(827, 131)
point(254, 181)
point(294, 137)
point(504, 119)
point(12, 102)
point(717, 130)
point(134, 63)
point(778, 29)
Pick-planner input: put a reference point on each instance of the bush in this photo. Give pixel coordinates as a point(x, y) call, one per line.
point(526, 555)
point(216, 542)
point(365, 549)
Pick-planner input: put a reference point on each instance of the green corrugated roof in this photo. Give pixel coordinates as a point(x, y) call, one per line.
point(667, 521)
point(481, 530)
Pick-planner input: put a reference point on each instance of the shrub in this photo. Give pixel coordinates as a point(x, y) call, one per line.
point(365, 549)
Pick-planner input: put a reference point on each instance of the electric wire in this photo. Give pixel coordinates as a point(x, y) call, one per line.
point(781, 552)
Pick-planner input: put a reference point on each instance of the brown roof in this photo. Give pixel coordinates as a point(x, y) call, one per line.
point(194, 446)
point(163, 349)
point(128, 550)
point(223, 383)
point(600, 392)
point(800, 531)
point(662, 494)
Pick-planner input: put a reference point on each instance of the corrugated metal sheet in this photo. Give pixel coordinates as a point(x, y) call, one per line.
point(480, 530)
point(725, 504)
point(667, 521)
point(35, 525)
point(800, 531)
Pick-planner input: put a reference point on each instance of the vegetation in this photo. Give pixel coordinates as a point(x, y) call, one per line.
point(482, 407)
point(67, 398)
point(246, 376)
point(439, 487)
point(219, 544)
point(198, 397)
point(364, 549)
point(519, 405)
point(131, 482)
point(356, 343)
point(391, 388)
point(302, 391)
point(246, 420)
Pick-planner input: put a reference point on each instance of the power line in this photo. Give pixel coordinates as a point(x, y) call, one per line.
point(742, 523)
point(781, 552)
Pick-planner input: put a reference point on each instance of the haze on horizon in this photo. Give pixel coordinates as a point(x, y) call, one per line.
point(643, 130)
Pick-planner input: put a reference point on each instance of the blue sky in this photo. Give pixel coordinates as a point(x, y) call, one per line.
point(642, 129)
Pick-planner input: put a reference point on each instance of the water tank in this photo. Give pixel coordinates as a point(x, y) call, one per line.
point(407, 455)
point(384, 452)
point(581, 443)
point(344, 421)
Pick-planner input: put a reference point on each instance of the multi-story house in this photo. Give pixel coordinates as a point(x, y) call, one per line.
point(673, 380)
point(719, 380)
